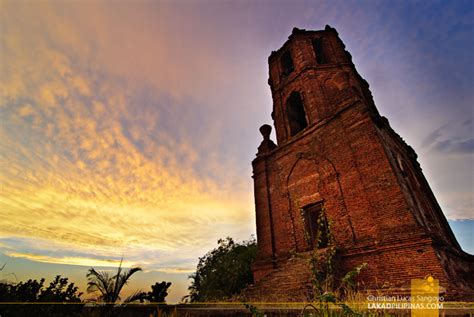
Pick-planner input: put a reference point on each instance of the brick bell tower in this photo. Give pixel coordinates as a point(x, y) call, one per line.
point(335, 154)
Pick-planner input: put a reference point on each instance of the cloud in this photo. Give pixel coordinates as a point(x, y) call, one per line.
point(456, 146)
point(94, 161)
point(459, 204)
point(445, 158)
point(451, 139)
point(174, 270)
point(432, 137)
point(91, 262)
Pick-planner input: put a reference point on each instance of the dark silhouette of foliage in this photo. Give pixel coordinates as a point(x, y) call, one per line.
point(223, 272)
point(54, 297)
point(58, 291)
point(29, 291)
point(109, 286)
point(158, 293)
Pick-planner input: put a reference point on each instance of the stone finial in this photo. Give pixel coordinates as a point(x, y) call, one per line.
point(265, 130)
point(267, 145)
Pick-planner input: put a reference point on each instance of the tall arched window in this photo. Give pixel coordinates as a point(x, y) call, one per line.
point(319, 51)
point(287, 64)
point(296, 113)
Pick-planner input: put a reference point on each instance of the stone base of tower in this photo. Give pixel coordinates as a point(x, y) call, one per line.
point(389, 271)
point(391, 268)
point(288, 281)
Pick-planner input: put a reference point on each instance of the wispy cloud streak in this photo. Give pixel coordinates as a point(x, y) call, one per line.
point(86, 163)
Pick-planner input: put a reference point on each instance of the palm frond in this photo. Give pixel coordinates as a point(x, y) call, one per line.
point(124, 278)
point(99, 281)
point(116, 288)
point(111, 286)
point(138, 295)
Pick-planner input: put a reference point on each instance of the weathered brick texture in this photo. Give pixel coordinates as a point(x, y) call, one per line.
point(348, 158)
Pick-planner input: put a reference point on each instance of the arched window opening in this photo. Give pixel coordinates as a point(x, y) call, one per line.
point(296, 113)
point(316, 226)
point(319, 51)
point(287, 63)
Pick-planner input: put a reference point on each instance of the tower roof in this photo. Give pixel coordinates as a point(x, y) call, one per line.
point(296, 32)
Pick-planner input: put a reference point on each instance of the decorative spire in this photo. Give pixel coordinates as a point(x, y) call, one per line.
point(267, 145)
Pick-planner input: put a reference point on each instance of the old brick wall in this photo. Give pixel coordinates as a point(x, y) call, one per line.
point(375, 197)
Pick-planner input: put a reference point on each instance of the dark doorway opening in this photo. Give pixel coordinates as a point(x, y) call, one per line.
point(316, 226)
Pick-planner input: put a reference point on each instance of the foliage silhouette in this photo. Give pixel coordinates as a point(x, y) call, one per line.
point(158, 293)
point(110, 286)
point(54, 297)
point(223, 272)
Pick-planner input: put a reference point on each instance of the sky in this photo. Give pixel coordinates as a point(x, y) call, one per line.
point(127, 128)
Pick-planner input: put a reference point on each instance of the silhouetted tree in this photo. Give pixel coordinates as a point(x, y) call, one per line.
point(109, 286)
point(158, 293)
point(58, 292)
point(29, 291)
point(223, 272)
